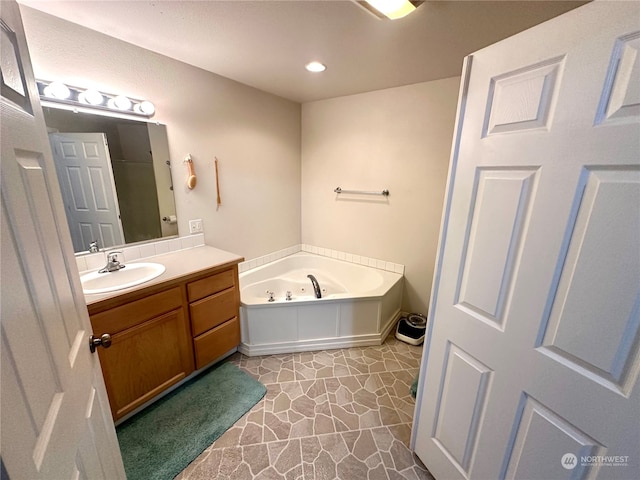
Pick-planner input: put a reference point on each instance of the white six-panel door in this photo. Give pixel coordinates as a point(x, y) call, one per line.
point(56, 422)
point(533, 353)
point(88, 188)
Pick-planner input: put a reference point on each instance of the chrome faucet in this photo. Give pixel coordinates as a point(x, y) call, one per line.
point(113, 264)
point(93, 246)
point(316, 286)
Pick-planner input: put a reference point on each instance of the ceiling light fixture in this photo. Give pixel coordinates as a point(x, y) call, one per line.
point(315, 67)
point(90, 98)
point(392, 9)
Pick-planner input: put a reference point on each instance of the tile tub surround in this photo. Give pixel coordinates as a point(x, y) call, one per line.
point(332, 414)
point(324, 252)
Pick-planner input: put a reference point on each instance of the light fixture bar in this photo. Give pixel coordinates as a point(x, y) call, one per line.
point(90, 98)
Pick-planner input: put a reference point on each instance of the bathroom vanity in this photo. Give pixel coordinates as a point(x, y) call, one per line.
point(164, 330)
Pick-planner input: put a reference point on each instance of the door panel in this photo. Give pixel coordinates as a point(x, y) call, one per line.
point(460, 404)
point(500, 214)
point(621, 96)
point(523, 99)
point(535, 315)
point(603, 244)
point(542, 434)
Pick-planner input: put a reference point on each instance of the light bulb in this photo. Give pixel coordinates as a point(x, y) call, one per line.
point(145, 107)
point(91, 96)
point(57, 90)
point(120, 102)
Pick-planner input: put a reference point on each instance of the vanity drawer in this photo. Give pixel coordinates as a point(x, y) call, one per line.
point(216, 342)
point(134, 313)
point(210, 285)
point(212, 311)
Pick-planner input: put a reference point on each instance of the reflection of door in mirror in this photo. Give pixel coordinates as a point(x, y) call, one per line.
point(88, 190)
point(139, 170)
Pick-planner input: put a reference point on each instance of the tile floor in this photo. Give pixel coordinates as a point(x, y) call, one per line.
point(334, 414)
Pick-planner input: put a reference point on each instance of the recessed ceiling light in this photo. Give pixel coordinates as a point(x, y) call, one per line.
point(315, 67)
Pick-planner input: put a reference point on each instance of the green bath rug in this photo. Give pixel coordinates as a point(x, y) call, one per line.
point(159, 442)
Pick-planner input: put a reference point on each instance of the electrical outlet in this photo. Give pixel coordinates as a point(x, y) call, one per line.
point(195, 226)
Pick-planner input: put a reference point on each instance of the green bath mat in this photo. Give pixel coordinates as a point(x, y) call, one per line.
point(159, 442)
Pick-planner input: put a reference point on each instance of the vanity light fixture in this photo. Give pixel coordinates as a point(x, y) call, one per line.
point(315, 67)
point(392, 9)
point(91, 98)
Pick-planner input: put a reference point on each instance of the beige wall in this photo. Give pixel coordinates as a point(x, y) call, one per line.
point(397, 139)
point(255, 135)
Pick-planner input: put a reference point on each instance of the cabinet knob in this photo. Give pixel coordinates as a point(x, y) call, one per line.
point(102, 341)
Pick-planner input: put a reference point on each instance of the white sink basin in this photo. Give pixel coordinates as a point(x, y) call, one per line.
point(133, 274)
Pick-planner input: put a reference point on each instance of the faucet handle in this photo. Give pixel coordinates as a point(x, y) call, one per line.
point(113, 256)
point(93, 246)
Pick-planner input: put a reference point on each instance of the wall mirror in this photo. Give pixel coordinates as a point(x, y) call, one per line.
point(115, 178)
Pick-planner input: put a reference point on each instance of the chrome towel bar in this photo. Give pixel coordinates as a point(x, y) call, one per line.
point(362, 192)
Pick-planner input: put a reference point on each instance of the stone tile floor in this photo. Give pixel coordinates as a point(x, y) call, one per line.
point(334, 414)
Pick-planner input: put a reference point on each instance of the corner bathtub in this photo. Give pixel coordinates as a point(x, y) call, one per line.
point(359, 305)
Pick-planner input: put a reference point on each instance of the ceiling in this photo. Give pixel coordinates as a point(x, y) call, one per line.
point(266, 43)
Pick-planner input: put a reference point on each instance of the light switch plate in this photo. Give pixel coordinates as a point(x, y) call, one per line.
point(195, 226)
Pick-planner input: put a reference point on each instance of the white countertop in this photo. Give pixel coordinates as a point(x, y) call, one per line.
point(177, 264)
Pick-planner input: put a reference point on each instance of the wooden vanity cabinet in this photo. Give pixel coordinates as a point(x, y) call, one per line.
point(213, 307)
point(150, 349)
point(161, 334)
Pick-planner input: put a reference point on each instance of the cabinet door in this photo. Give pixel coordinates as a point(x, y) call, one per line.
point(145, 360)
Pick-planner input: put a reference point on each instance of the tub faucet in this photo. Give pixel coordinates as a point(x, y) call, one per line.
point(316, 286)
point(113, 264)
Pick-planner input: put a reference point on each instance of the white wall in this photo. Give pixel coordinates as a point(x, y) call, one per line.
point(255, 135)
point(397, 139)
